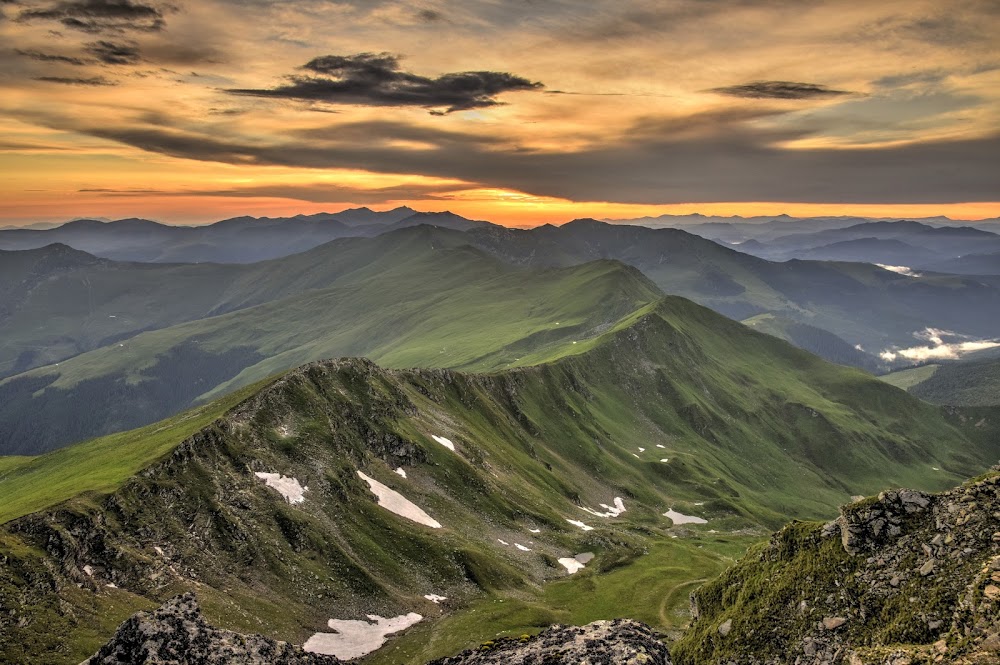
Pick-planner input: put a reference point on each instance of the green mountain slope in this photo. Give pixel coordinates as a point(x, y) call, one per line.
point(860, 303)
point(56, 302)
point(824, 344)
point(407, 299)
point(674, 407)
point(904, 577)
point(968, 383)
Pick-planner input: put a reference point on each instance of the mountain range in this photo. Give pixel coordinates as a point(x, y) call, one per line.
point(441, 435)
point(132, 343)
point(342, 489)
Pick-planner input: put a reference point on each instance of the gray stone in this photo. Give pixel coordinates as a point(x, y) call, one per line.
point(619, 642)
point(833, 623)
point(177, 634)
point(725, 627)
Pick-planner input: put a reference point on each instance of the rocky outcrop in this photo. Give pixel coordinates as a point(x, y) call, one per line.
point(177, 634)
point(898, 579)
point(619, 642)
point(869, 525)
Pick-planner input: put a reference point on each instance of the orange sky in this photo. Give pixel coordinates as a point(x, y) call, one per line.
point(192, 112)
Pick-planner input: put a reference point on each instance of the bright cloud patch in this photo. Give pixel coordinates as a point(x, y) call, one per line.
point(609, 511)
point(354, 639)
point(287, 486)
point(902, 270)
point(680, 518)
point(941, 345)
point(444, 442)
point(395, 502)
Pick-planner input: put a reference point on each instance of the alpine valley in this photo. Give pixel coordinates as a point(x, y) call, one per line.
point(434, 438)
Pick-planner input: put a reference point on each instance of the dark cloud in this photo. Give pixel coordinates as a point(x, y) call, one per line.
point(111, 53)
point(779, 90)
point(715, 158)
point(94, 81)
point(375, 79)
point(50, 57)
point(96, 16)
point(315, 193)
point(430, 16)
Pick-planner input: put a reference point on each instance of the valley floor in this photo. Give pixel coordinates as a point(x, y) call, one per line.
point(653, 588)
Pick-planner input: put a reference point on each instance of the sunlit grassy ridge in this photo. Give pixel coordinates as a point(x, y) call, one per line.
point(416, 305)
point(30, 484)
point(907, 378)
point(672, 406)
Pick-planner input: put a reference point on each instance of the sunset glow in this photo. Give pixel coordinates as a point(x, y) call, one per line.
point(192, 112)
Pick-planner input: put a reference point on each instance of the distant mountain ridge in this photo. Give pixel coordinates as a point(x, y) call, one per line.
point(235, 240)
point(140, 341)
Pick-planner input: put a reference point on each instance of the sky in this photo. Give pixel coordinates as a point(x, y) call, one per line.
point(516, 111)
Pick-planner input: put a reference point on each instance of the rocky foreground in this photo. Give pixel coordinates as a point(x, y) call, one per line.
point(905, 578)
point(619, 642)
point(177, 634)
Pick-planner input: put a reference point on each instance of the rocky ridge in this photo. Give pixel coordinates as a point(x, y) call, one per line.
point(177, 634)
point(899, 579)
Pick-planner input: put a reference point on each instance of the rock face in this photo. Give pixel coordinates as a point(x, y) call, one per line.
point(619, 642)
point(177, 634)
point(899, 579)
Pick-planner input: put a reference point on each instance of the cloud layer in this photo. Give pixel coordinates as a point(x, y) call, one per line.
point(939, 347)
point(683, 103)
point(96, 16)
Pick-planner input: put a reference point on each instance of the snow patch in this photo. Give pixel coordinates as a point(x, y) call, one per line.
point(680, 518)
point(354, 639)
point(665, 459)
point(400, 472)
point(583, 526)
point(661, 446)
point(395, 502)
point(610, 511)
point(444, 442)
point(434, 598)
point(535, 530)
point(642, 450)
point(577, 563)
point(522, 547)
point(287, 486)
point(89, 570)
point(502, 542)
point(636, 456)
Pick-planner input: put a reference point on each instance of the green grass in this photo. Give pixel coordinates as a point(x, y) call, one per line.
point(908, 378)
point(754, 430)
point(442, 307)
point(652, 588)
point(972, 382)
point(33, 484)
